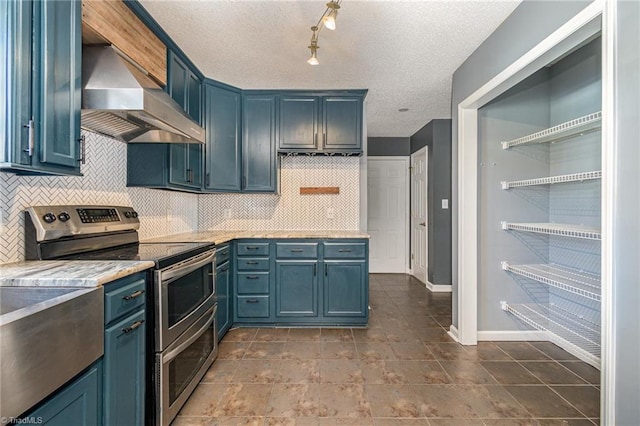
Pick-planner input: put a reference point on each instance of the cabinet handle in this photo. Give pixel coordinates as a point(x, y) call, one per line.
point(208, 179)
point(252, 248)
point(188, 175)
point(191, 174)
point(30, 137)
point(344, 251)
point(252, 262)
point(132, 327)
point(252, 301)
point(252, 277)
point(83, 152)
point(133, 295)
point(224, 253)
point(326, 269)
point(315, 139)
point(315, 267)
point(324, 139)
point(226, 268)
point(296, 250)
point(244, 182)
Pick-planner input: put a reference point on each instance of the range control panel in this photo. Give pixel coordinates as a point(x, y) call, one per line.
point(52, 222)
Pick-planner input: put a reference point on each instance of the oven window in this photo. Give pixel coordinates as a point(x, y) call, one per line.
point(184, 367)
point(187, 293)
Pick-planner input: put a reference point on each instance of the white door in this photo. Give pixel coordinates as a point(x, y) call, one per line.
point(419, 214)
point(388, 214)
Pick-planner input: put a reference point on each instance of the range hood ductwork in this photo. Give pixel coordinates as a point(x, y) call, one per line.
point(120, 101)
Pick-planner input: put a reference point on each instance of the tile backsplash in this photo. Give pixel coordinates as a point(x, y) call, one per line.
point(104, 182)
point(290, 210)
point(168, 212)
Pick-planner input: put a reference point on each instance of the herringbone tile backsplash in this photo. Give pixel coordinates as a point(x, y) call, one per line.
point(169, 212)
point(104, 182)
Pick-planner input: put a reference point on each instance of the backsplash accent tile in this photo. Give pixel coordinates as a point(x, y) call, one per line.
point(290, 210)
point(104, 182)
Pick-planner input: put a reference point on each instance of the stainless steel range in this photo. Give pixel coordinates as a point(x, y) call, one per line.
point(183, 342)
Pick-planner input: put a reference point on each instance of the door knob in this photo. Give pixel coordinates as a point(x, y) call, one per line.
point(422, 224)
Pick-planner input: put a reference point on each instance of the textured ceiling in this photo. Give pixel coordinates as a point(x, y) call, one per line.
point(403, 52)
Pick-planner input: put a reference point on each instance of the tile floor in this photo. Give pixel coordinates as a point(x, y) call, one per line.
point(402, 370)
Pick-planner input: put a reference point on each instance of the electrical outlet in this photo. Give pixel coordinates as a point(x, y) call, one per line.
point(227, 213)
point(445, 203)
point(330, 213)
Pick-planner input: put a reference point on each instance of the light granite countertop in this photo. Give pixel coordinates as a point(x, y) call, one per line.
point(67, 273)
point(219, 237)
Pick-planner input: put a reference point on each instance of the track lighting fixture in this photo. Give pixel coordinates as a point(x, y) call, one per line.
point(328, 19)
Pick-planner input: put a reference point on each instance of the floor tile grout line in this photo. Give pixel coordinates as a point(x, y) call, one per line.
point(569, 402)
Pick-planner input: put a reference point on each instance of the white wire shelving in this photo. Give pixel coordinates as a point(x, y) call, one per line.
point(576, 127)
point(563, 230)
point(571, 280)
point(575, 334)
point(573, 177)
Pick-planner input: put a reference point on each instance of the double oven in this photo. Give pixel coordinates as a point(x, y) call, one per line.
point(181, 300)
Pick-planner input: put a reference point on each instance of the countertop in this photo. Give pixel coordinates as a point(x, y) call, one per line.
point(68, 273)
point(219, 237)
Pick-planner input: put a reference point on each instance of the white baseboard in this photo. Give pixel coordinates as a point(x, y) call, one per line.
point(453, 333)
point(512, 335)
point(438, 288)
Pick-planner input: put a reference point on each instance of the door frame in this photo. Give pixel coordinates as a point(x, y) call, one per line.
point(426, 210)
point(548, 49)
point(407, 208)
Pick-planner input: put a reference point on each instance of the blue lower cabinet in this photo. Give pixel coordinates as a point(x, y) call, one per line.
point(124, 371)
point(252, 308)
point(223, 293)
point(296, 289)
point(78, 403)
point(345, 289)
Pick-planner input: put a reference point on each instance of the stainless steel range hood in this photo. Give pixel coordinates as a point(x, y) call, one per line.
point(120, 101)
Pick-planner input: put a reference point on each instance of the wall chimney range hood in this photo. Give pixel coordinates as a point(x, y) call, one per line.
point(121, 101)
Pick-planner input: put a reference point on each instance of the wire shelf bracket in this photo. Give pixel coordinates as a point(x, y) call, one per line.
point(562, 328)
point(577, 282)
point(576, 127)
point(563, 230)
point(574, 177)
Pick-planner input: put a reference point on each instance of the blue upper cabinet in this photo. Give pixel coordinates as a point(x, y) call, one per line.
point(41, 42)
point(259, 132)
point(320, 122)
point(342, 123)
point(184, 86)
point(299, 119)
point(223, 145)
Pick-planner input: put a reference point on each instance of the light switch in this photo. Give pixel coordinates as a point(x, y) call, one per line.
point(329, 213)
point(445, 203)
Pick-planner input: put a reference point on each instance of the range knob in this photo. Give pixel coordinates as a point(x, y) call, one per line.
point(64, 216)
point(127, 214)
point(49, 217)
point(134, 214)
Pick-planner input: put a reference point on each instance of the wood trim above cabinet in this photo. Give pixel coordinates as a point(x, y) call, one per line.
point(113, 22)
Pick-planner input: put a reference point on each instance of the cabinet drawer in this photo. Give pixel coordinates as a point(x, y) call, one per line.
point(344, 250)
point(222, 254)
point(253, 283)
point(253, 249)
point(253, 264)
point(296, 250)
point(253, 306)
point(123, 300)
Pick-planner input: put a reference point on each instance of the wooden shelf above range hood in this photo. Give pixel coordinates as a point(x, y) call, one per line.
point(112, 22)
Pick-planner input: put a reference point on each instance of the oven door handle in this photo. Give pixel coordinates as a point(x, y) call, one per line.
point(172, 353)
point(186, 267)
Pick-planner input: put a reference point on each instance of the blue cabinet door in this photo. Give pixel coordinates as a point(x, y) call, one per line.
point(78, 403)
point(296, 288)
point(223, 293)
point(124, 371)
point(194, 97)
point(299, 121)
point(345, 288)
point(223, 144)
point(258, 143)
point(58, 45)
point(177, 80)
point(15, 81)
point(342, 123)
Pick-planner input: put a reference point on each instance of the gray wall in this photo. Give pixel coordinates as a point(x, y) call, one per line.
point(379, 147)
point(436, 136)
point(530, 23)
point(626, 211)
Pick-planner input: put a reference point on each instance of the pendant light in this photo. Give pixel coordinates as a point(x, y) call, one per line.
point(329, 20)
